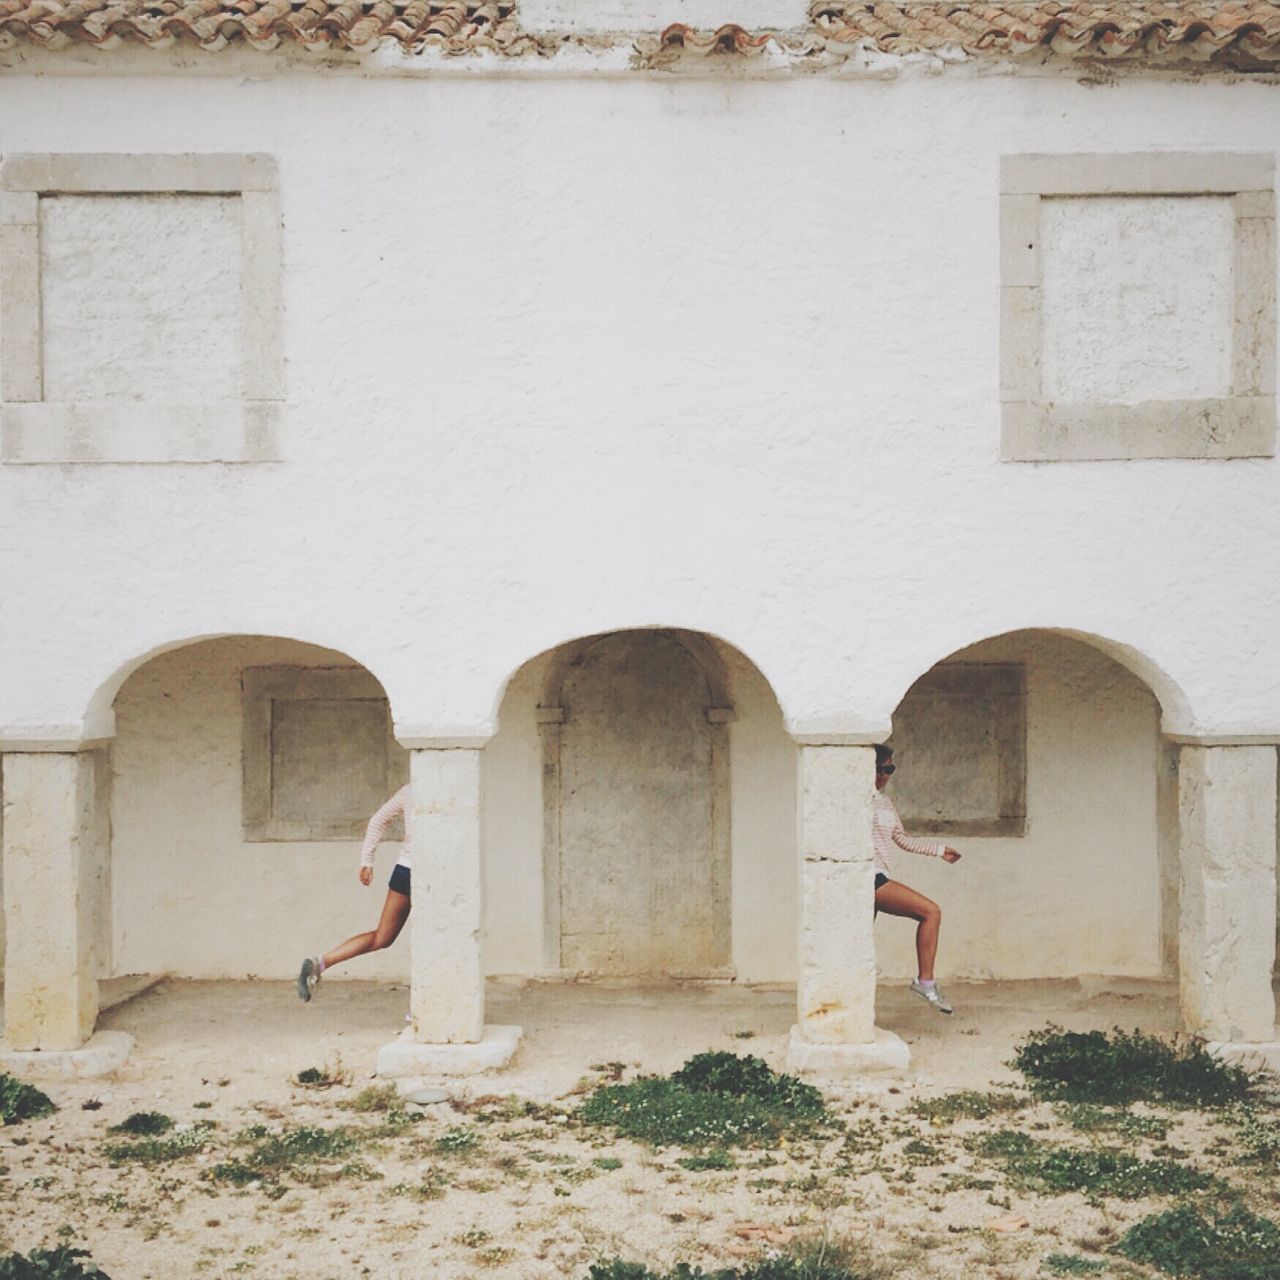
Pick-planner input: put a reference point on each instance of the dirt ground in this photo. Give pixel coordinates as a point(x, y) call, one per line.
point(501, 1180)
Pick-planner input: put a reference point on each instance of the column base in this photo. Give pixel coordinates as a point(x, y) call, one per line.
point(405, 1056)
point(103, 1053)
point(887, 1052)
point(1262, 1055)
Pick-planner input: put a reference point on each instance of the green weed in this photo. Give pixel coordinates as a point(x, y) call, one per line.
point(457, 1140)
point(143, 1124)
point(1234, 1246)
point(714, 1100)
point(20, 1101)
point(812, 1263)
point(307, 1154)
point(1257, 1134)
point(1053, 1170)
point(1090, 1118)
point(968, 1104)
point(712, 1160)
point(62, 1263)
point(161, 1150)
point(1072, 1264)
point(1113, 1069)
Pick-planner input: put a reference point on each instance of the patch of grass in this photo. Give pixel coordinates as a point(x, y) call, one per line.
point(1090, 1118)
point(1054, 1170)
point(1234, 1246)
point(457, 1141)
point(968, 1104)
point(1072, 1264)
point(1258, 1136)
point(432, 1187)
point(307, 1154)
point(62, 1263)
point(809, 1260)
point(1113, 1069)
point(712, 1160)
point(377, 1097)
point(607, 1162)
point(714, 1100)
point(143, 1124)
point(161, 1150)
point(20, 1101)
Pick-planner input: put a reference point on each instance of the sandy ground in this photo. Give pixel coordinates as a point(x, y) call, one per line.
point(501, 1181)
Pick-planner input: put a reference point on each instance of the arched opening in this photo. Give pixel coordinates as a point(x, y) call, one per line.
point(1039, 756)
point(243, 771)
point(641, 791)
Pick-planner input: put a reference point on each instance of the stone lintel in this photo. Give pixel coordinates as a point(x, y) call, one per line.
point(886, 1053)
point(407, 1057)
point(101, 1055)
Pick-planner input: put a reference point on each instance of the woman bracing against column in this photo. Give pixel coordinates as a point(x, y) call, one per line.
point(896, 899)
point(395, 910)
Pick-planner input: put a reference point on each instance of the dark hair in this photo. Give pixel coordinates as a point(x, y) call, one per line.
point(883, 754)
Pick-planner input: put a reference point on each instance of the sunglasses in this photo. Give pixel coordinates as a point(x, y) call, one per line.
point(886, 768)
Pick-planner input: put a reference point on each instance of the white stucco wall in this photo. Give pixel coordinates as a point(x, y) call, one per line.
point(637, 351)
point(1081, 891)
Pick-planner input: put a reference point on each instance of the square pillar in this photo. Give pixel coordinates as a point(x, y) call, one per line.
point(446, 976)
point(836, 990)
point(1227, 948)
point(448, 1035)
point(52, 870)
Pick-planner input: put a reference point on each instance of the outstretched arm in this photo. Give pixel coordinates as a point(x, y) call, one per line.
point(377, 828)
point(913, 844)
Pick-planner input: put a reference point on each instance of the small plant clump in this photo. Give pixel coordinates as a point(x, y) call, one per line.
point(143, 1124)
point(968, 1104)
point(1114, 1069)
point(1090, 1118)
point(20, 1101)
point(307, 1154)
point(712, 1160)
point(62, 1263)
point(162, 1146)
point(1236, 1245)
point(714, 1100)
point(812, 1263)
point(1072, 1264)
point(1054, 1170)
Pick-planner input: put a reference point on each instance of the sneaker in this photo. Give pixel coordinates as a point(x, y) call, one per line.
point(308, 978)
point(932, 994)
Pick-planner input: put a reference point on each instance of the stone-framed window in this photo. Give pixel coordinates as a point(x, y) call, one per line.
point(318, 753)
point(961, 737)
point(140, 308)
point(1137, 306)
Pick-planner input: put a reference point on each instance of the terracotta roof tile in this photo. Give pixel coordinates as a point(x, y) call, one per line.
point(1193, 29)
point(1223, 32)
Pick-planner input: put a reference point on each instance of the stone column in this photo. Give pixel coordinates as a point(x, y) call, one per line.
point(447, 978)
point(836, 987)
point(51, 861)
point(1227, 802)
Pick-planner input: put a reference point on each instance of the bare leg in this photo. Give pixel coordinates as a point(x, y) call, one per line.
point(896, 899)
point(395, 911)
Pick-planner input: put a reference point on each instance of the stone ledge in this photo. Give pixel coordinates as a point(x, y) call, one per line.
point(405, 1056)
point(1253, 1055)
point(887, 1052)
point(103, 1053)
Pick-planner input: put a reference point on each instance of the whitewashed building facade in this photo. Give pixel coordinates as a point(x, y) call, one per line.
point(616, 422)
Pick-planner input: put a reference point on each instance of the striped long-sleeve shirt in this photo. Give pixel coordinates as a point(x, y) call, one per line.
point(377, 828)
point(887, 830)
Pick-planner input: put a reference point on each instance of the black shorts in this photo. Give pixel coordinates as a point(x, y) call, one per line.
point(399, 882)
point(881, 878)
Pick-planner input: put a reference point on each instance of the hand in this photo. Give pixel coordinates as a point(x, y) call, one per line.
point(366, 876)
point(951, 855)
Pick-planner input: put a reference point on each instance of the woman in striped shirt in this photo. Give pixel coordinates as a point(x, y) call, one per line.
point(896, 899)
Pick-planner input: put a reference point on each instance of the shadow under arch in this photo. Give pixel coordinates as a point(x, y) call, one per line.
point(1177, 715)
point(99, 719)
point(607, 746)
point(706, 648)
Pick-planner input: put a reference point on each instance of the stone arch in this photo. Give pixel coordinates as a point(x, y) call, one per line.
point(636, 828)
point(1039, 752)
point(244, 768)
